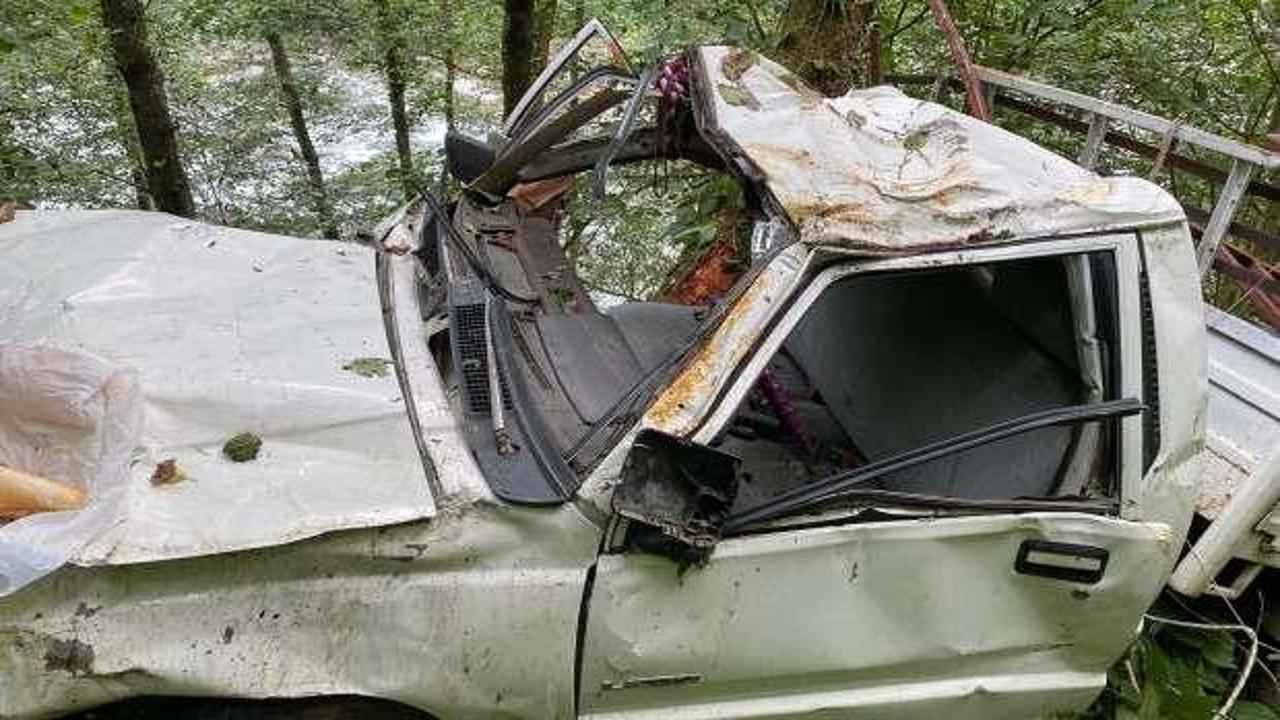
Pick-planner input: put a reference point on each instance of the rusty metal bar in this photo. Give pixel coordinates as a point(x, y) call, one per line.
point(1258, 285)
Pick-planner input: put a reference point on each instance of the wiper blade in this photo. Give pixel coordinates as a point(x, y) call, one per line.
point(800, 498)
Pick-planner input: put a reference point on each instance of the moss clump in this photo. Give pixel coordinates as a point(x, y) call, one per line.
point(368, 366)
point(243, 447)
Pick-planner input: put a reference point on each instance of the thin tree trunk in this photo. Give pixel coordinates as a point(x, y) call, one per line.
point(157, 136)
point(393, 67)
point(450, 66)
point(128, 135)
point(1273, 128)
point(293, 105)
point(1272, 48)
point(579, 19)
point(399, 118)
point(875, 53)
point(544, 27)
point(976, 104)
point(822, 42)
point(517, 51)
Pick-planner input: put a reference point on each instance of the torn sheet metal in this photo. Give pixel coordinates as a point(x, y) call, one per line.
point(685, 402)
point(229, 331)
point(881, 172)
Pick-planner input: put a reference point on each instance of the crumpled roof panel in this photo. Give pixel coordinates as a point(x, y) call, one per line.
point(879, 171)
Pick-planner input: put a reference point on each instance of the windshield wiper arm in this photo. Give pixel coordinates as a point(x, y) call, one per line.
point(799, 498)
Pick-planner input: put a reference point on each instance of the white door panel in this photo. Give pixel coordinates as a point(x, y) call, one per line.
point(896, 619)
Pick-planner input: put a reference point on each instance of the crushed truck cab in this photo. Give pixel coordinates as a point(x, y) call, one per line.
point(934, 453)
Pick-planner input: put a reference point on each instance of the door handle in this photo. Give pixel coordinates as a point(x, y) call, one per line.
point(1083, 564)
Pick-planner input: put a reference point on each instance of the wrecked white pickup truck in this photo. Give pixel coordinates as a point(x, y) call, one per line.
point(934, 454)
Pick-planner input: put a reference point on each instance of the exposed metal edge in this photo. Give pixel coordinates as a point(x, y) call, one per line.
point(593, 27)
point(390, 323)
point(930, 694)
point(1248, 391)
point(1243, 332)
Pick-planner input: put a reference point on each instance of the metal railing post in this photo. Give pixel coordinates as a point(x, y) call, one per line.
point(1093, 141)
point(1223, 213)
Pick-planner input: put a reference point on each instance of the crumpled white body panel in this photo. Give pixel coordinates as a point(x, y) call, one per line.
point(229, 331)
point(879, 171)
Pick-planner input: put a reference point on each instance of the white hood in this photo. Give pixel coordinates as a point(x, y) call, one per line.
point(229, 331)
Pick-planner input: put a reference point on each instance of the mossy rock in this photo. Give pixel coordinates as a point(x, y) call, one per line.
point(243, 447)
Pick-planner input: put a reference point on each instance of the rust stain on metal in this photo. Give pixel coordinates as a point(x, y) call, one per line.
point(782, 152)
point(699, 375)
point(850, 213)
point(736, 62)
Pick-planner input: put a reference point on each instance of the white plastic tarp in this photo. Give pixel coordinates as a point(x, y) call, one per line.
point(70, 417)
point(228, 331)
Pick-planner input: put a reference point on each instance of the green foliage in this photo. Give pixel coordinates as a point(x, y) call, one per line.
point(1176, 673)
point(649, 223)
point(65, 133)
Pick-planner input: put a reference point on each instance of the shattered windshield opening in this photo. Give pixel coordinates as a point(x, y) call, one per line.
point(884, 365)
point(594, 248)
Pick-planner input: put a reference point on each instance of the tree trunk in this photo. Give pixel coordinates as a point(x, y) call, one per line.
point(544, 27)
point(518, 35)
point(157, 137)
point(1272, 141)
point(293, 105)
point(399, 118)
point(823, 42)
point(875, 52)
point(394, 69)
point(450, 66)
point(132, 151)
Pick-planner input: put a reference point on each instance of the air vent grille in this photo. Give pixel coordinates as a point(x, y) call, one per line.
point(468, 333)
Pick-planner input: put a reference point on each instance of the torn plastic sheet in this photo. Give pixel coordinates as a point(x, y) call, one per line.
point(229, 331)
point(70, 417)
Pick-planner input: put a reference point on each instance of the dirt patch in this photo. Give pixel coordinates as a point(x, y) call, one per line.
point(70, 656)
point(167, 473)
